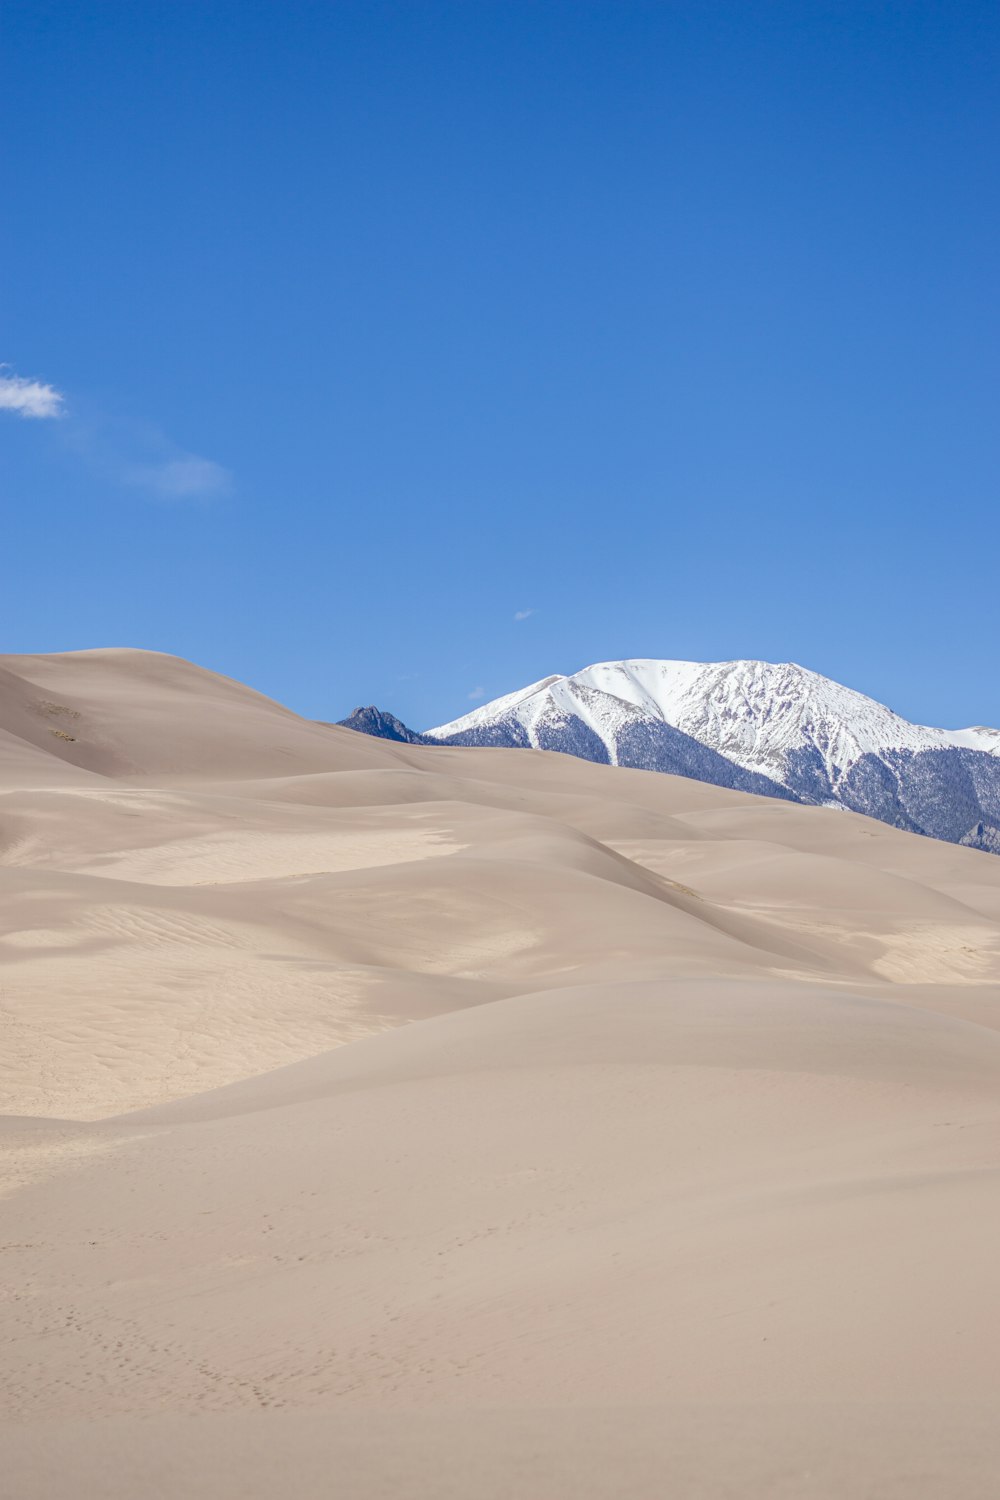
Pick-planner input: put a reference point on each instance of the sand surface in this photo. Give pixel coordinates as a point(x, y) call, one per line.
point(391, 1121)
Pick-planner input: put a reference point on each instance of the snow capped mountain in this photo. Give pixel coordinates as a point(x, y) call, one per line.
point(789, 731)
point(754, 712)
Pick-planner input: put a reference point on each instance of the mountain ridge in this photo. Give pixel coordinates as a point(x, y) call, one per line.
point(776, 729)
point(380, 724)
point(678, 691)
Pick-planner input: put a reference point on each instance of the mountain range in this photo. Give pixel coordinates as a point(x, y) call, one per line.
point(776, 729)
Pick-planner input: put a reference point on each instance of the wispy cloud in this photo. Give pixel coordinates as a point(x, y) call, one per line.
point(28, 398)
point(140, 456)
point(476, 694)
point(136, 454)
point(522, 614)
point(183, 477)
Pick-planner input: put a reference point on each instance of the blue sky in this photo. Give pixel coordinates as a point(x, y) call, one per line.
point(669, 327)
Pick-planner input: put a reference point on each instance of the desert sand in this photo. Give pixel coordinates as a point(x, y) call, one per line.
point(389, 1121)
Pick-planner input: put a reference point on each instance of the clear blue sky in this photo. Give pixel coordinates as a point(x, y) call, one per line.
point(376, 324)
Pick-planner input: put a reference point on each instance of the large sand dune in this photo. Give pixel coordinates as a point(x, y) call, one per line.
point(685, 1178)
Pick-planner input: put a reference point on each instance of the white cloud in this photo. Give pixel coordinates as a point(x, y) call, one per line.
point(28, 398)
point(476, 694)
point(522, 614)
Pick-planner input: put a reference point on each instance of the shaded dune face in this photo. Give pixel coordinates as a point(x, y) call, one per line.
point(438, 1117)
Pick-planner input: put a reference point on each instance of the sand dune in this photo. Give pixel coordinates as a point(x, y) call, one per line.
point(663, 1157)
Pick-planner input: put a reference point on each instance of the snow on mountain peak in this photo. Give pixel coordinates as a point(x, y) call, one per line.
point(755, 713)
